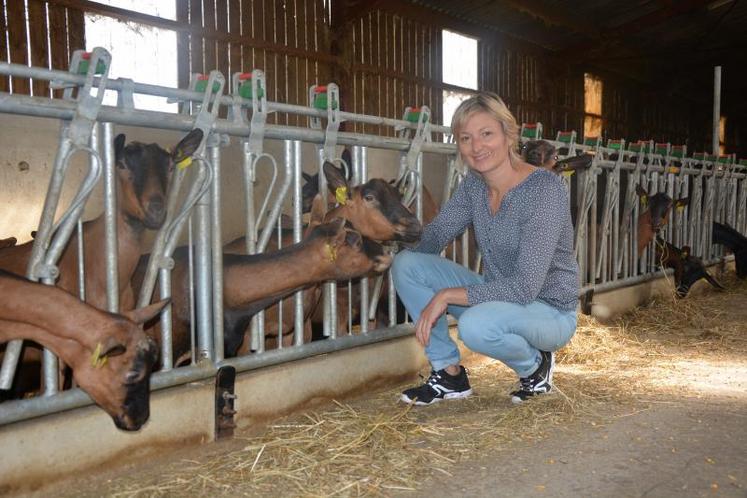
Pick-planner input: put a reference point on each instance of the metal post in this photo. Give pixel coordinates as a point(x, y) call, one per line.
point(293, 158)
point(203, 280)
point(217, 252)
point(110, 215)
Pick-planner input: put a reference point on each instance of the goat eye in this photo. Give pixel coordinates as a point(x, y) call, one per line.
point(369, 198)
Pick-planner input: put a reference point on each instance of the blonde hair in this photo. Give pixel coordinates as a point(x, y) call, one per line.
point(492, 104)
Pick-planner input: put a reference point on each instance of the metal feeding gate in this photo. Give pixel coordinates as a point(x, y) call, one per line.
point(605, 217)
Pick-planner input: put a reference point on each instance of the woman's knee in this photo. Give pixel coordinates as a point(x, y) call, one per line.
point(403, 262)
point(473, 326)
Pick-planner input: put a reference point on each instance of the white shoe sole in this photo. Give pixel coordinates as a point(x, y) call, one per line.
point(462, 394)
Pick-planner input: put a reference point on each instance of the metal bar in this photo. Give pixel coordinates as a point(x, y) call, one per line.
point(110, 216)
point(45, 107)
point(217, 252)
point(203, 280)
point(716, 110)
point(188, 95)
point(293, 159)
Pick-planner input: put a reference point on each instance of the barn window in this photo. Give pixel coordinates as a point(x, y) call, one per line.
point(592, 106)
point(722, 135)
point(126, 39)
point(459, 61)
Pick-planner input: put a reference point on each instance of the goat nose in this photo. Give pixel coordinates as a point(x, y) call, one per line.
point(156, 206)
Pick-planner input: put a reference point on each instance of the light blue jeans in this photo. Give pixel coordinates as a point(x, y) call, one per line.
point(509, 332)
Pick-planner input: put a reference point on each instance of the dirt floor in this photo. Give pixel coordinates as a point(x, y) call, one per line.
point(654, 404)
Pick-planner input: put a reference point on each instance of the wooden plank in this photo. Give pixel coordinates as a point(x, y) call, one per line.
point(248, 22)
point(281, 60)
point(4, 82)
point(375, 42)
point(221, 47)
point(17, 43)
point(208, 16)
point(293, 85)
point(38, 40)
point(182, 45)
point(271, 63)
point(302, 40)
point(234, 27)
point(76, 31)
point(58, 40)
point(197, 54)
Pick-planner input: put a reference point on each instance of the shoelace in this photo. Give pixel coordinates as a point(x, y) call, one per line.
point(525, 384)
point(434, 378)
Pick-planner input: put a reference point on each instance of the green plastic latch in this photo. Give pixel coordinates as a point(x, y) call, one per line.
point(678, 151)
point(83, 65)
point(565, 136)
point(245, 88)
point(530, 131)
point(201, 85)
point(320, 98)
point(413, 115)
point(614, 144)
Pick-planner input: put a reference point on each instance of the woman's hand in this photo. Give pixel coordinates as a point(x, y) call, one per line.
point(435, 309)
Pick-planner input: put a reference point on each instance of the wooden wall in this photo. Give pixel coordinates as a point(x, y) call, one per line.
point(384, 55)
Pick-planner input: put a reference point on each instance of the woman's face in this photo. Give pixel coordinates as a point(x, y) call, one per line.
point(482, 143)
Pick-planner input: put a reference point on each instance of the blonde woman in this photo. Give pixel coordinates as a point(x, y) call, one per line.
point(522, 307)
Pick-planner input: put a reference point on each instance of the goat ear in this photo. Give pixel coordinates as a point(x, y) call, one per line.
point(307, 177)
point(347, 159)
point(119, 144)
point(640, 191)
point(187, 146)
point(685, 251)
point(335, 177)
point(142, 315)
point(353, 238)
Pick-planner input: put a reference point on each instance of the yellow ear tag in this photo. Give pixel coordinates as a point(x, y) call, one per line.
point(184, 163)
point(680, 208)
point(97, 361)
point(341, 195)
point(644, 201)
point(331, 252)
point(568, 173)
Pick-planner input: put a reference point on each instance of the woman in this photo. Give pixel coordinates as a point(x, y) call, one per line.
point(523, 307)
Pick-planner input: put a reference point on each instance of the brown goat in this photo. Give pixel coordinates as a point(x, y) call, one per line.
point(374, 208)
point(656, 216)
point(110, 355)
point(253, 282)
point(142, 177)
point(687, 268)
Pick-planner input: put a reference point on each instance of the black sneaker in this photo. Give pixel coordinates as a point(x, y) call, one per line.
point(540, 382)
point(440, 385)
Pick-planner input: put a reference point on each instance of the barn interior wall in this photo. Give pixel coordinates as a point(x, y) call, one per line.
point(384, 55)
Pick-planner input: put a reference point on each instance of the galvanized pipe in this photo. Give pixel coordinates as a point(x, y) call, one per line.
point(203, 278)
point(44, 107)
point(23, 71)
point(110, 220)
point(217, 252)
point(294, 160)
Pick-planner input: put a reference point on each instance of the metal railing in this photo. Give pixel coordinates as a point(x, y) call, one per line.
point(605, 244)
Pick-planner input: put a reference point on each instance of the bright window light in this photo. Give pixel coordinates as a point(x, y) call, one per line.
point(143, 53)
point(592, 105)
point(459, 60)
point(459, 69)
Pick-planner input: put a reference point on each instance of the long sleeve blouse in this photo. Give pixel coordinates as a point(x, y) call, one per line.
point(527, 246)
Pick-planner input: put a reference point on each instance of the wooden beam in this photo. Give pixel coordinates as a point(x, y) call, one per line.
point(209, 33)
point(636, 25)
